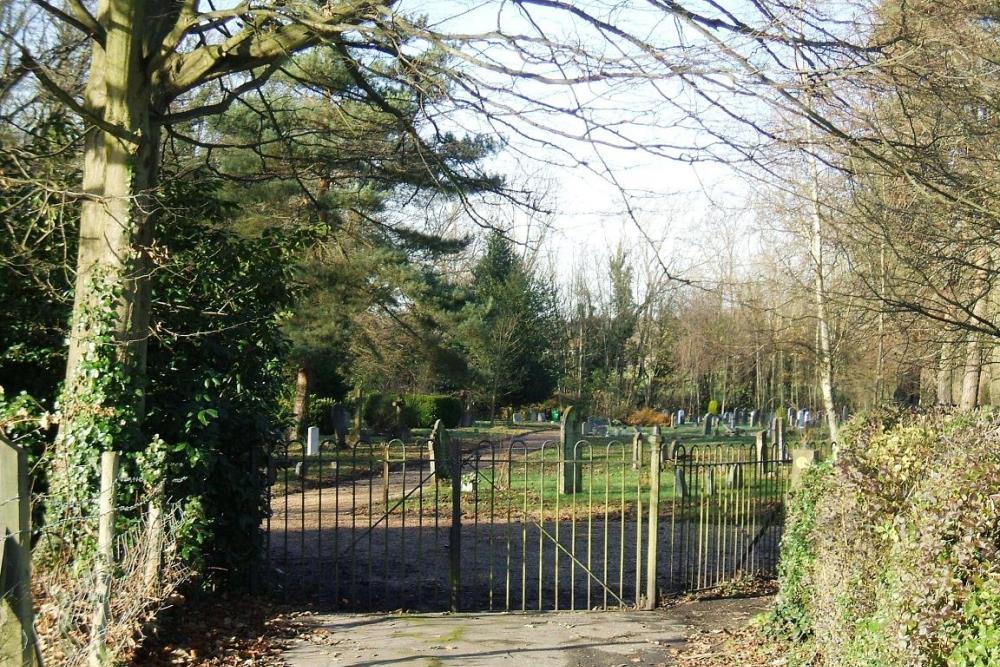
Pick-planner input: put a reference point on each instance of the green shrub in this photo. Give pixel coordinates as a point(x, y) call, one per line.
point(978, 637)
point(713, 407)
point(320, 413)
point(380, 414)
point(428, 408)
point(790, 615)
point(901, 563)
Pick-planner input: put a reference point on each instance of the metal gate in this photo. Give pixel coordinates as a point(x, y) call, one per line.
point(483, 525)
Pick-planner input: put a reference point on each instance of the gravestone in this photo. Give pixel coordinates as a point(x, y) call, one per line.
point(570, 474)
point(518, 418)
point(754, 417)
point(585, 428)
point(802, 460)
point(680, 416)
point(680, 482)
point(301, 469)
point(312, 441)
point(341, 423)
point(760, 452)
point(673, 420)
point(706, 429)
point(637, 451)
point(734, 478)
point(438, 450)
point(843, 414)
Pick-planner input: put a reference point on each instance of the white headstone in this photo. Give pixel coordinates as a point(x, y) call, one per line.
point(312, 441)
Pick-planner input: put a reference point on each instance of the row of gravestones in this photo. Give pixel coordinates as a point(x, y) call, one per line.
point(519, 417)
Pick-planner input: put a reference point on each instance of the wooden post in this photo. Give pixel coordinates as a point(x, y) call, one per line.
point(652, 541)
point(17, 635)
point(570, 473)
point(154, 538)
point(103, 562)
point(455, 533)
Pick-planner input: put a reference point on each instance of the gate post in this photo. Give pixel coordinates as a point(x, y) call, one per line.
point(655, 444)
point(455, 533)
point(17, 634)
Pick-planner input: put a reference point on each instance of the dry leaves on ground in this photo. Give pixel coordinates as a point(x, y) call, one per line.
point(223, 630)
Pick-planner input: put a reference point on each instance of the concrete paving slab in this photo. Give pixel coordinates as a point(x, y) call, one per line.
point(550, 639)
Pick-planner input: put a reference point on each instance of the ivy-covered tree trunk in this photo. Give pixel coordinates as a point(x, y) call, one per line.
point(102, 403)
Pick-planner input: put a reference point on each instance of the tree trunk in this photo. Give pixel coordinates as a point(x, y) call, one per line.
point(973, 370)
point(301, 407)
point(974, 347)
point(823, 324)
point(106, 361)
point(944, 376)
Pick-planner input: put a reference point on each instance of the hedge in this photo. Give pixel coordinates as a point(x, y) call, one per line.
point(892, 557)
point(419, 411)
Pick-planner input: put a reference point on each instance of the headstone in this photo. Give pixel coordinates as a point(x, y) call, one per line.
point(341, 423)
point(585, 428)
point(710, 481)
point(802, 459)
point(637, 451)
point(570, 474)
point(301, 468)
point(760, 452)
point(437, 445)
point(312, 441)
point(680, 416)
point(680, 482)
point(734, 478)
point(707, 425)
point(673, 420)
point(518, 418)
point(843, 414)
point(754, 416)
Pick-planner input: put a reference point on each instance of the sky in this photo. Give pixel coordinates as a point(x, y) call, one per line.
point(600, 196)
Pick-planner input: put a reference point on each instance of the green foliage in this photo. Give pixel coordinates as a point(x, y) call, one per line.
point(215, 382)
point(893, 558)
point(320, 413)
point(428, 408)
point(790, 615)
point(713, 407)
point(510, 329)
point(380, 413)
point(977, 640)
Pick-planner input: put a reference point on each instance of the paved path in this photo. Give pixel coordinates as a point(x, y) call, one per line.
point(553, 639)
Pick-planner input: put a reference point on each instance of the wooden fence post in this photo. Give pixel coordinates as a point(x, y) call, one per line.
point(104, 561)
point(652, 541)
point(17, 634)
